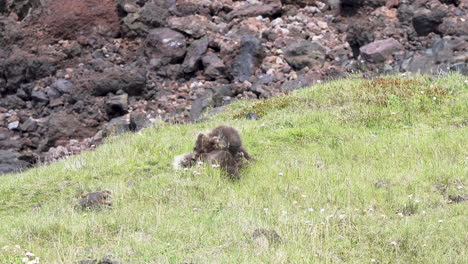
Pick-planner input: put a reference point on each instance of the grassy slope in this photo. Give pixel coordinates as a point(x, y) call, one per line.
point(334, 144)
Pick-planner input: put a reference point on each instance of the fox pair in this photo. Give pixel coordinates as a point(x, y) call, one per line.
point(222, 146)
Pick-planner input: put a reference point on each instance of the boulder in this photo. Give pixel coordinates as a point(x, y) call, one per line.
point(165, 45)
point(138, 121)
point(194, 25)
point(30, 125)
point(154, 15)
point(63, 86)
point(195, 51)
point(10, 162)
point(117, 126)
point(22, 67)
point(66, 126)
point(214, 66)
point(214, 97)
point(39, 96)
point(247, 58)
point(131, 81)
point(304, 53)
point(117, 105)
point(380, 50)
point(426, 21)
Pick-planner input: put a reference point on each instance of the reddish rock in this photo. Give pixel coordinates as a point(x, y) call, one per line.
point(380, 50)
point(70, 19)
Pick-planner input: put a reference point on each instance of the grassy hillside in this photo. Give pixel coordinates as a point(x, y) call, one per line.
point(351, 171)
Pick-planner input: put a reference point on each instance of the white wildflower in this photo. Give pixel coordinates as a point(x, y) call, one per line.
point(393, 243)
point(310, 209)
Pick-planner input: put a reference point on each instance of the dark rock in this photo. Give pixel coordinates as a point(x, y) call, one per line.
point(22, 68)
point(300, 3)
point(426, 21)
point(165, 44)
point(24, 92)
point(52, 93)
point(405, 13)
point(201, 7)
point(454, 26)
point(214, 66)
point(442, 50)
point(260, 90)
point(138, 121)
point(254, 10)
point(66, 126)
point(39, 96)
point(102, 261)
point(117, 105)
point(461, 67)
point(132, 27)
point(9, 142)
point(9, 162)
point(247, 58)
point(72, 50)
point(154, 15)
point(295, 84)
point(304, 53)
point(29, 125)
point(194, 25)
point(271, 235)
point(195, 51)
point(117, 126)
point(96, 200)
point(214, 97)
point(252, 116)
point(12, 102)
point(131, 81)
point(380, 50)
point(63, 86)
point(21, 8)
point(458, 198)
point(358, 35)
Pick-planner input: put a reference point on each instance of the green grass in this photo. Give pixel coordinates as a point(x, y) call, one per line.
point(334, 166)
